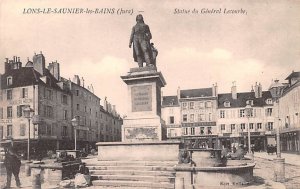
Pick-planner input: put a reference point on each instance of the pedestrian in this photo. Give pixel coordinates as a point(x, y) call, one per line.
point(12, 164)
point(83, 177)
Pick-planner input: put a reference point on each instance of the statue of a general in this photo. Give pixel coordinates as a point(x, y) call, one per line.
point(143, 50)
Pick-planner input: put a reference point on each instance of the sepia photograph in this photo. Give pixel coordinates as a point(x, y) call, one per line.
point(138, 94)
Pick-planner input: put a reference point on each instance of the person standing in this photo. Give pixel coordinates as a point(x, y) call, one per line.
point(12, 164)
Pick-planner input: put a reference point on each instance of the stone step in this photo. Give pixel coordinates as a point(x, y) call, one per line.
point(132, 163)
point(140, 168)
point(136, 184)
point(132, 172)
point(135, 178)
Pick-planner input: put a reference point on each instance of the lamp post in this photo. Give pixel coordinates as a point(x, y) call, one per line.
point(28, 114)
point(75, 124)
point(248, 110)
point(279, 162)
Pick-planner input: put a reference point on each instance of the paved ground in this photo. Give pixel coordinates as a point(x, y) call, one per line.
point(263, 174)
point(264, 168)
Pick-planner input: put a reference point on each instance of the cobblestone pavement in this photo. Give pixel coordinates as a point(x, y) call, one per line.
point(264, 170)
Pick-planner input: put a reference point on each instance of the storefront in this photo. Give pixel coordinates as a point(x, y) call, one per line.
point(290, 141)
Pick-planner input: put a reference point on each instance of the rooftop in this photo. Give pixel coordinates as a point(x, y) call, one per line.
point(242, 99)
point(194, 93)
point(170, 101)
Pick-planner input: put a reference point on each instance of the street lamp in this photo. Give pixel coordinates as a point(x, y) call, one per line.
point(28, 114)
point(249, 110)
point(75, 124)
point(279, 162)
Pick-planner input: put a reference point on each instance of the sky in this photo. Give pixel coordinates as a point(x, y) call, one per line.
point(196, 50)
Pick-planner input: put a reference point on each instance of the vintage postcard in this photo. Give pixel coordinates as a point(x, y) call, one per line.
point(150, 94)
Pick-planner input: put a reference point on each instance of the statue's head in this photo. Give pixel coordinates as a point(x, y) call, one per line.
point(139, 18)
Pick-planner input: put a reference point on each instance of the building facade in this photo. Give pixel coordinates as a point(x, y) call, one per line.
point(198, 115)
point(288, 114)
point(210, 119)
point(170, 113)
point(55, 101)
point(234, 122)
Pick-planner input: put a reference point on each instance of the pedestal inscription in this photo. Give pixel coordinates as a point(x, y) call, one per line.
point(141, 133)
point(141, 98)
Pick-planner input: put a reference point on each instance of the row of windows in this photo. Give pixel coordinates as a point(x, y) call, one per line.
point(258, 126)
point(23, 94)
point(244, 113)
point(193, 118)
point(44, 129)
point(203, 131)
point(84, 95)
point(48, 94)
point(196, 105)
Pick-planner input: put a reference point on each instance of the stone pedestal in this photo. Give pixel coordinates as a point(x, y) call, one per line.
point(279, 170)
point(143, 122)
point(143, 130)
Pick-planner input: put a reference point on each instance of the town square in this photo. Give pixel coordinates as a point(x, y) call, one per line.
point(149, 95)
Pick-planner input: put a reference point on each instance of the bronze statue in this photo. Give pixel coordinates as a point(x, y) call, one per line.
point(143, 50)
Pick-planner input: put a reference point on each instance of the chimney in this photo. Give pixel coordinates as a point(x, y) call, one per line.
point(105, 104)
point(256, 90)
point(178, 92)
point(114, 109)
point(39, 63)
point(54, 70)
point(252, 90)
point(259, 90)
point(76, 80)
point(92, 88)
point(215, 90)
point(233, 91)
point(82, 81)
point(7, 65)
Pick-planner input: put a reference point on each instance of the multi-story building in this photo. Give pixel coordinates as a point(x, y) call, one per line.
point(110, 123)
point(170, 113)
point(288, 113)
point(36, 87)
point(198, 115)
point(56, 101)
point(85, 108)
point(233, 122)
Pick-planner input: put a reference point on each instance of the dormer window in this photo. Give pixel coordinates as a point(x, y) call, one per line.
point(227, 104)
point(250, 102)
point(269, 101)
point(9, 81)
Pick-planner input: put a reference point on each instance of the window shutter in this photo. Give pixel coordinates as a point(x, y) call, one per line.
point(21, 93)
point(19, 109)
point(1, 113)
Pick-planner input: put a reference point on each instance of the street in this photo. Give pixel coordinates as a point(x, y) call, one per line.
point(264, 171)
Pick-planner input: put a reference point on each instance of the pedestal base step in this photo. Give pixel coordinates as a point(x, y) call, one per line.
point(135, 184)
point(135, 178)
point(133, 172)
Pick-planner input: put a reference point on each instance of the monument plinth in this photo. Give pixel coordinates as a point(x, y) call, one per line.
point(143, 130)
point(143, 122)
